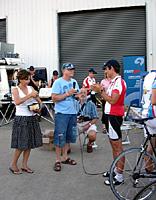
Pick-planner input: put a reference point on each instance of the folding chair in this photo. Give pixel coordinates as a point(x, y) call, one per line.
point(3, 118)
point(6, 120)
point(132, 112)
point(45, 95)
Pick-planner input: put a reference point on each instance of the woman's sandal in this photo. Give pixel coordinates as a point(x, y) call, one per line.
point(57, 166)
point(69, 162)
point(16, 172)
point(27, 170)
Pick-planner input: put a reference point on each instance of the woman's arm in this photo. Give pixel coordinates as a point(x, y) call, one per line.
point(153, 99)
point(49, 84)
point(18, 100)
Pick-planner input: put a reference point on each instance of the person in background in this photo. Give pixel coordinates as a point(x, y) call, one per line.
point(14, 77)
point(114, 112)
point(104, 85)
point(88, 82)
point(87, 118)
point(55, 77)
point(26, 132)
point(65, 131)
point(149, 111)
point(34, 80)
point(153, 102)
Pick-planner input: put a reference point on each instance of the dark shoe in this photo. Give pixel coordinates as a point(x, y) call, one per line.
point(69, 151)
point(150, 172)
point(107, 174)
point(16, 172)
point(27, 170)
point(104, 131)
point(57, 166)
point(89, 148)
point(69, 162)
point(115, 182)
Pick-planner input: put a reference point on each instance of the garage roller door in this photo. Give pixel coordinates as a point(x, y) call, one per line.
point(90, 38)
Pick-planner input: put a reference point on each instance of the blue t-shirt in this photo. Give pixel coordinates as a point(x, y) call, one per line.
point(154, 85)
point(67, 105)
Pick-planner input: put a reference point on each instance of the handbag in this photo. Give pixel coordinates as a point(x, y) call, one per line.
point(34, 107)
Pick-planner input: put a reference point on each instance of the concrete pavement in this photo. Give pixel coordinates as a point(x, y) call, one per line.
point(71, 183)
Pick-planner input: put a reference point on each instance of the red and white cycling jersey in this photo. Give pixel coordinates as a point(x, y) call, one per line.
point(88, 81)
point(117, 85)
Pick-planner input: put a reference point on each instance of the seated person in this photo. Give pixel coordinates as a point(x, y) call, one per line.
point(87, 118)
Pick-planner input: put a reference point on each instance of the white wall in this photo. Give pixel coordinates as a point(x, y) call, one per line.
point(32, 26)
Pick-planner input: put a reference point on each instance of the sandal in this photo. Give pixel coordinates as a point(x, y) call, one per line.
point(69, 162)
point(28, 170)
point(57, 166)
point(17, 172)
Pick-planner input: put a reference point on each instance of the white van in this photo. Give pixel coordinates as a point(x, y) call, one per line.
point(6, 79)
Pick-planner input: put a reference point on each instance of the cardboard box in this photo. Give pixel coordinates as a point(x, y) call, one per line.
point(47, 139)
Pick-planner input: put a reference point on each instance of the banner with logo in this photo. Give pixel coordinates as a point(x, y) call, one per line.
point(133, 66)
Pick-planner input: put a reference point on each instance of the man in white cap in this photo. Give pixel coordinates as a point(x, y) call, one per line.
point(63, 91)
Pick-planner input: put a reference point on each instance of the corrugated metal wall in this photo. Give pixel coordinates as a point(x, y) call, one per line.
point(32, 25)
point(90, 38)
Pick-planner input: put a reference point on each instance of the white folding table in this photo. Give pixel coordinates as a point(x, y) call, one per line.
point(49, 107)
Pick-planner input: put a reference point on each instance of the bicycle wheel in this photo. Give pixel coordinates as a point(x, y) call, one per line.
point(134, 166)
point(148, 192)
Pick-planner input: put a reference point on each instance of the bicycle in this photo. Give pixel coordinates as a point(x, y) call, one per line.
point(148, 192)
point(138, 164)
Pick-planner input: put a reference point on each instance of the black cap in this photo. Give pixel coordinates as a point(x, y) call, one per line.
point(31, 68)
point(92, 70)
point(55, 73)
point(113, 63)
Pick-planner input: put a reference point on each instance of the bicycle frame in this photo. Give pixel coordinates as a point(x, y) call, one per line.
point(144, 148)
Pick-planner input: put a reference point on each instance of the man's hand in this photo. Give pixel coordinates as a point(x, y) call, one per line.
point(96, 87)
point(37, 111)
point(86, 127)
point(71, 92)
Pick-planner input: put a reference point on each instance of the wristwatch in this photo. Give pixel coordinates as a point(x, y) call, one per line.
point(90, 124)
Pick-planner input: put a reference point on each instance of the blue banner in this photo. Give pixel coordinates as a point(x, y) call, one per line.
point(133, 68)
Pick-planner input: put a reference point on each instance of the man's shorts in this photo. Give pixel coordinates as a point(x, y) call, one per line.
point(113, 126)
point(82, 124)
point(65, 129)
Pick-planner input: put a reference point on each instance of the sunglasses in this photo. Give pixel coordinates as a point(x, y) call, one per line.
point(68, 66)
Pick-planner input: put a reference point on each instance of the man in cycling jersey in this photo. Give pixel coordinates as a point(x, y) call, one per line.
point(114, 111)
